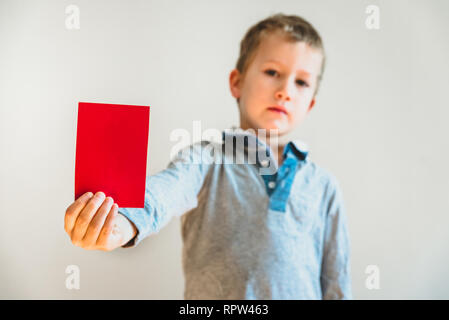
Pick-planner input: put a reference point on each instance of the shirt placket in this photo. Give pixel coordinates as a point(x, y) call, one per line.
point(279, 185)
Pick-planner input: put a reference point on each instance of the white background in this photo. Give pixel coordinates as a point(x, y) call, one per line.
point(379, 125)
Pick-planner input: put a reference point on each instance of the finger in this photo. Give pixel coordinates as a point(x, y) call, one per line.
point(97, 222)
point(106, 231)
point(74, 209)
point(83, 220)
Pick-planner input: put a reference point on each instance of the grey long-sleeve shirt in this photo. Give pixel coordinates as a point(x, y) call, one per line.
point(251, 230)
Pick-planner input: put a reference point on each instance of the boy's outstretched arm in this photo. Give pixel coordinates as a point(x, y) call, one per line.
point(171, 192)
point(335, 269)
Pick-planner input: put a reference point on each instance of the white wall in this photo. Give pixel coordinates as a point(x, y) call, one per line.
point(379, 125)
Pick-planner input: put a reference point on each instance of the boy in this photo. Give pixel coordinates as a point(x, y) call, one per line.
point(249, 232)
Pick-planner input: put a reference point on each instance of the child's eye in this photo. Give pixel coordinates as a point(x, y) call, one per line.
point(302, 83)
point(271, 72)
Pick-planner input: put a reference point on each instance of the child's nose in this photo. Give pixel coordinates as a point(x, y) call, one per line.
point(282, 94)
point(284, 91)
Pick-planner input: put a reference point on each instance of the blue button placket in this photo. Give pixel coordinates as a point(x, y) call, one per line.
point(278, 181)
point(278, 185)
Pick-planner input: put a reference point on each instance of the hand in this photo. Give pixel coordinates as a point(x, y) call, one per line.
point(93, 223)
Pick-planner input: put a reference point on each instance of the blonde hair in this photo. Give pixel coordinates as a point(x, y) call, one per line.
point(294, 28)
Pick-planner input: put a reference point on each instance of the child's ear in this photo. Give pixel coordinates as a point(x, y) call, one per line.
point(312, 103)
point(234, 83)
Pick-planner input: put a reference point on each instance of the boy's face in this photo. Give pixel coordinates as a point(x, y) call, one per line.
point(277, 91)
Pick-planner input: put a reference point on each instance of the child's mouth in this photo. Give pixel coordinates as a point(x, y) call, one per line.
point(278, 110)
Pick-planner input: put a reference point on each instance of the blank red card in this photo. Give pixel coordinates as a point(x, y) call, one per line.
point(111, 151)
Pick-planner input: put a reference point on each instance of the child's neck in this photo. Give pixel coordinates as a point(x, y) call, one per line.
point(276, 144)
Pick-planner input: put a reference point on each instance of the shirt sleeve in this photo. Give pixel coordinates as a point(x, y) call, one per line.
point(169, 193)
point(335, 270)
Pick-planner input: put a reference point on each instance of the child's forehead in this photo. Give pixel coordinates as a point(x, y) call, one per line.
point(278, 49)
point(277, 45)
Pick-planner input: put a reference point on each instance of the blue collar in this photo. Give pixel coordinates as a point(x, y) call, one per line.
point(251, 143)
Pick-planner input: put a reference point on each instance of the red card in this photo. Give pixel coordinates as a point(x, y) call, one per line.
point(111, 152)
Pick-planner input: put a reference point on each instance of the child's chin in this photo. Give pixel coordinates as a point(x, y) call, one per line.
point(280, 128)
